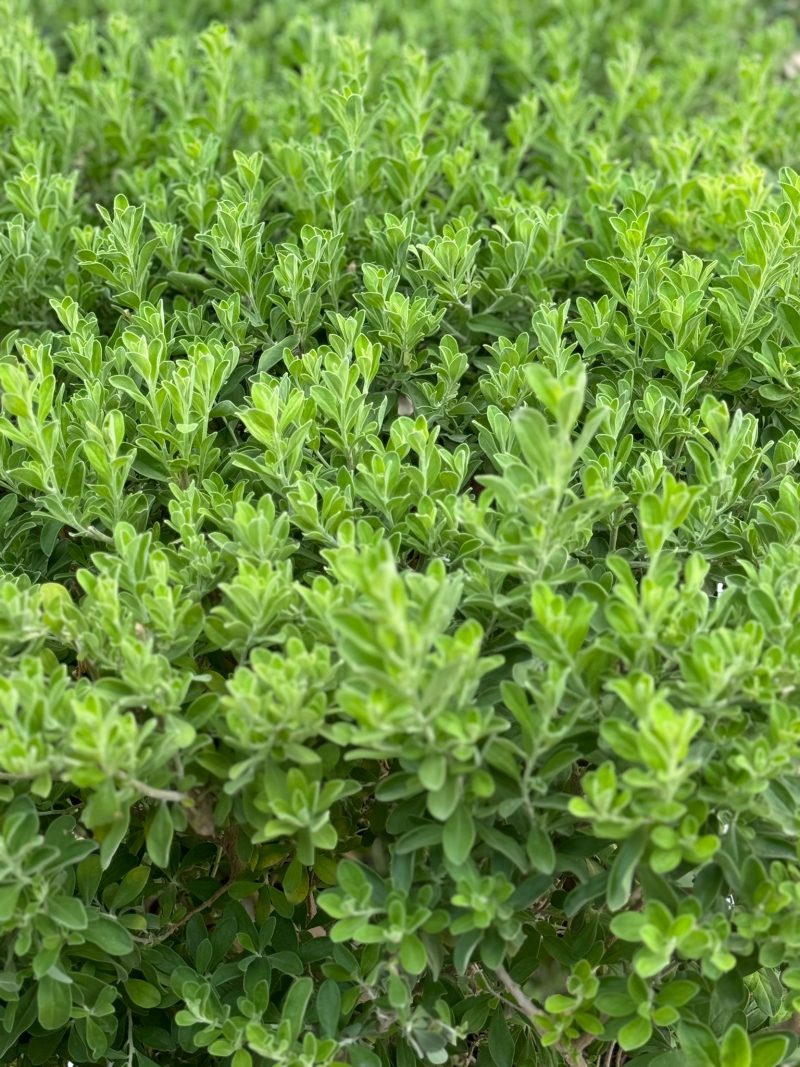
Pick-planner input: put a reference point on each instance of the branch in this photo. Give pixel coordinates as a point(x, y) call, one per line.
point(523, 1003)
point(528, 1008)
point(156, 794)
point(169, 930)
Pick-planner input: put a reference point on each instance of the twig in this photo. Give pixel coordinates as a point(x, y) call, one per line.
point(131, 1046)
point(523, 1002)
point(156, 794)
point(526, 1005)
point(168, 931)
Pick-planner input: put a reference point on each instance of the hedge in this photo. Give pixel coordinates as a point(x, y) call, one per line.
point(399, 533)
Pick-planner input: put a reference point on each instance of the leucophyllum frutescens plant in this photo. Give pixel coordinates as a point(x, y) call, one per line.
point(399, 611)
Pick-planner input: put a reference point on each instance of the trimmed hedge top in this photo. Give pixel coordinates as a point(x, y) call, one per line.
point(400, 554)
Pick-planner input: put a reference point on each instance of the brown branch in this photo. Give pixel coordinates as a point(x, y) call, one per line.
point(155, 794)
point(523, 1003)
point(573, 1057)
point(169, 930)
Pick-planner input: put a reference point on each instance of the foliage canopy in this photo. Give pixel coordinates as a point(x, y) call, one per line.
point(400, 552)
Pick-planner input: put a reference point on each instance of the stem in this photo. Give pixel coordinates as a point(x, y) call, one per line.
point(169, 930)
point(528, 1008)
point(131, 1046)
point(523, 1002)
point(156, 794)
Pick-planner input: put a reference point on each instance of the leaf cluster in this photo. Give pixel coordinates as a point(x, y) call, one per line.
point(399, 534)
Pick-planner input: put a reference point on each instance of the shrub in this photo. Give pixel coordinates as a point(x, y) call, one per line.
point(400, 556)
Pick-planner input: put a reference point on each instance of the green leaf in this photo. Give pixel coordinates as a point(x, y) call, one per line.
point(628, 926)
point(500, 1043)
point(698, 1041)
point(617, 1005)
point(634, 1034)
point(735, 1049)
point(769, 1051)
point(458, 838)
point(9, 897)
point(620, 876)
point(295, 882)
point(487, 324)
point(433, 772)
point(362, 1057)
point(54, 1003)
point(464, 949)
point(108, 935)
point(286, 962)
point(113, 838)
point(413, 956)
point(329, 1007)
point(609, 275)
point(676, 993)
point(142, 993)
point(295, 1004)
point(540, 850)
point(159, 835)
point(67, 912)
point(132, 886)
point(443, 802)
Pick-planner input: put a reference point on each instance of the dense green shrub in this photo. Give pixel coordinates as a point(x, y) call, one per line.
point(400, 551)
